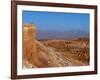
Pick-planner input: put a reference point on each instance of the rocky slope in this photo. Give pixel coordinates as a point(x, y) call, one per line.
point(49, 57)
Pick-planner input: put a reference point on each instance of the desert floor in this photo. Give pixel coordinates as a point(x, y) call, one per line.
point(57, 53)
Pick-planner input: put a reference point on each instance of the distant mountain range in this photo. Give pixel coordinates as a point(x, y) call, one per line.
point(53, 34)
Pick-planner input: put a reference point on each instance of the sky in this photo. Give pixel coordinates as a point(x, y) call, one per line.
point(56, 20)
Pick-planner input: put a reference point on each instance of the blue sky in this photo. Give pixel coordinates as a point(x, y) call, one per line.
point(56, 20)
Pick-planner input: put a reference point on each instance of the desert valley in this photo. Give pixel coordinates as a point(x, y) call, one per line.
point(53, 52)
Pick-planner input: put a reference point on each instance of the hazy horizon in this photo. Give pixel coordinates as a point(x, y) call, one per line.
point(50, 25)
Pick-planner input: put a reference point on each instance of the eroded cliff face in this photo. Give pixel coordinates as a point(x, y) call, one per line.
point(34, 53)
point(29, 45)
